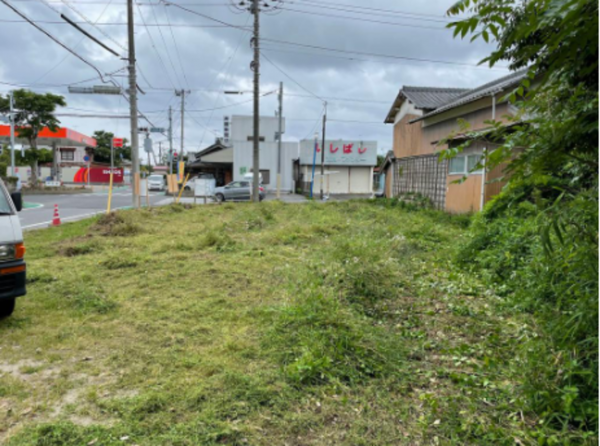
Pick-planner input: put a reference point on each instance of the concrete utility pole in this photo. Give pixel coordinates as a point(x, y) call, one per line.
point(12, 135)
point(170, 140)
point(279, 135)
point(135, 160)
point(256, 67)
point(323, 151)
point(182, 93)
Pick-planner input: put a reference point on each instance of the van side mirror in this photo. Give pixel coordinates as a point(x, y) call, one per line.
point(17, 199)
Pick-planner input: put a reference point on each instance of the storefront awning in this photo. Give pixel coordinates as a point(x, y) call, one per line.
point(62, 137)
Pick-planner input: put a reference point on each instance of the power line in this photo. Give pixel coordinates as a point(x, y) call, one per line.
point(70, 50)
point(292, 79)
point(155, 50)
point(323, 48)
point(67, 55)
point(176, 46)
point(312, 130)
point(363, 19)
point(165, 45)
point(158, 25)
point(365, 53)
point(378, 11)
point(224, 68)
point(69, 5)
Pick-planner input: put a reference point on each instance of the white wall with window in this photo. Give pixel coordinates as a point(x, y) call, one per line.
point(466, 163)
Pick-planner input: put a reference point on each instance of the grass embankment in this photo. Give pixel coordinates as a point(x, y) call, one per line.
point(314, 324)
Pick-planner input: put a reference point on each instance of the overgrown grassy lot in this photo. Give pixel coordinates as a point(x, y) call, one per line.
point(312, 324)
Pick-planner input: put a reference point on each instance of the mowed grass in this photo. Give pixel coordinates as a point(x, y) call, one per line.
point(314, 324)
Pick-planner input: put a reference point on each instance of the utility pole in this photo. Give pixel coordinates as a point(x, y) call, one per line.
point(160, 158)
point(182, 93)
point(323, 151)
point(133, 107)
point(279, 140)
point(170, 140)
point(12, 135)
point(256, 67)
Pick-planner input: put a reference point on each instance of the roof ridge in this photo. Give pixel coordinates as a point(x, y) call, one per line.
point(487, 85)
point(476, 93)
point(450, 89)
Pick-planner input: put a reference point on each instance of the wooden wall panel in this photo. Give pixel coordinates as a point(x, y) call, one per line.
point(389, 175)
point(494, 186)
point(407, 137)
point(463, 197)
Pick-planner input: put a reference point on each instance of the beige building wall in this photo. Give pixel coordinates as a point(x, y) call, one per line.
point(463, 197)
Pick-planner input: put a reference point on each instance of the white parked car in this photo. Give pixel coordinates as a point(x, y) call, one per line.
point(12, 250)
point(156, 182)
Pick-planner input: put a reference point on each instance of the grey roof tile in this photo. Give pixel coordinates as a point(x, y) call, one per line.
point(478, 92)
point(431, 97)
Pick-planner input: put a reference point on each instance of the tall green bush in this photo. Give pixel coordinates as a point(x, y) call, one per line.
point(553, 275)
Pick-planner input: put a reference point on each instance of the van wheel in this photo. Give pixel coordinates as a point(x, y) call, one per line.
point(220, 198)
point(7, 306)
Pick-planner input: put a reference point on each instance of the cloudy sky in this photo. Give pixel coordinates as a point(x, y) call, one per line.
point(191, 47)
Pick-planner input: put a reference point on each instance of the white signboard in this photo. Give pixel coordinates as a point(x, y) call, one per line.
point(52, 183)
point(204, 187)
point(340, 152)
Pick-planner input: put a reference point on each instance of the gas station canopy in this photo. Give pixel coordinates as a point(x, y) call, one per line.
point(63, 137)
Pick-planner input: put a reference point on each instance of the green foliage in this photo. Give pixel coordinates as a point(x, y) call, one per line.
point(537, 243)
point(553, 275)
point(102, 149)
point(34, 111)
point(30, 156)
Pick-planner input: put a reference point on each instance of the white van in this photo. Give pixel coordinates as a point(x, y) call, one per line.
point(12, 251)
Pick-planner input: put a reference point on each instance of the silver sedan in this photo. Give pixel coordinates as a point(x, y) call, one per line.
point(237, 191)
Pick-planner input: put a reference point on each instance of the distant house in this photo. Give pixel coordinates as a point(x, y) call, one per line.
point(230, 158)
point(424, 116)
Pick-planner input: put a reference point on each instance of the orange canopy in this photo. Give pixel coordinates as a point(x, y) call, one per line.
point(63, 137)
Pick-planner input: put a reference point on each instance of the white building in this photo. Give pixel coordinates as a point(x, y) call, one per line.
point(231, 159)
point(241, 138)
point(348, 166)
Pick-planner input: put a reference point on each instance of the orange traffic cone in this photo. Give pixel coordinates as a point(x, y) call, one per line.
point(56, 218)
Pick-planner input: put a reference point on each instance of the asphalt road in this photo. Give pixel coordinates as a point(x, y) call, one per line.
point(76, 206)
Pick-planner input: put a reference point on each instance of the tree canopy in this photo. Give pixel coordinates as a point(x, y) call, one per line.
point(102, 150)
point(34, 111)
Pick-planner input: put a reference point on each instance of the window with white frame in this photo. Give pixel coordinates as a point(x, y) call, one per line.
point(464, 164)
point(67, 155)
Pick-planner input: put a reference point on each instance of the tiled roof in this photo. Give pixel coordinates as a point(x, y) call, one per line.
point(497, 85)
point(431, 97)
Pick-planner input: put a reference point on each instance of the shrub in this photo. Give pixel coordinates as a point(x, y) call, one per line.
point(541, 257)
